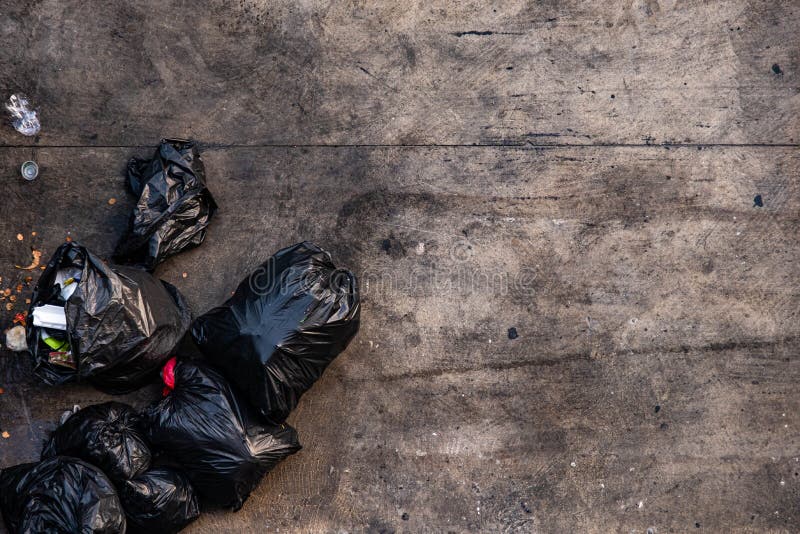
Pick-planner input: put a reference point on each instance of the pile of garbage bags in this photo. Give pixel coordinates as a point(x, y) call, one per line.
point(231, 377)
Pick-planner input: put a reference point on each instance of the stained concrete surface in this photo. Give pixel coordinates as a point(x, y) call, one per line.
point(582, 172)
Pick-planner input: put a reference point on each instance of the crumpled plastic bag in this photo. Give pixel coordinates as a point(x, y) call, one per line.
point(160, 501)
point(23, 117)
point(174, 206)
point(122, 323)
point(282, 327)
point(105, 435)
point(212, 435)
point(59, 495)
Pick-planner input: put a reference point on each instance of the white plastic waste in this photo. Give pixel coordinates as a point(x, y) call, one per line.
point(67, 279)
point(49, 316)
point(15, 339)
point(24, 118)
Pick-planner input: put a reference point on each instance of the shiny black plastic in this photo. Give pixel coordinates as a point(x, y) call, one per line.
point(282, 327)
point(174, 206)
point(60, 495)
point(160, 501)
point(105, 435)
point(122, 323)
point(214, 437)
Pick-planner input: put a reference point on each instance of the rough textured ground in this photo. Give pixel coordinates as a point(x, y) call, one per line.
point(584, 172)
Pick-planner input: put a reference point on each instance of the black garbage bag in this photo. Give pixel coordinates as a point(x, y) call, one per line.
point(282, 327)
point(59, 495)
point(105, 435)
point(213, 436)
point(174, 206)
point(160, 501)
point(121, 323)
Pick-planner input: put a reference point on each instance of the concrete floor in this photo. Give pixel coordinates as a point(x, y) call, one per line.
point(584, 172)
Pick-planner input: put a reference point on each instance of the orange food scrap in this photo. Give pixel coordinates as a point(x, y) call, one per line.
point(112, 201)
point(37, 257)
point(7, 291)
point(5, 434)
point(33, 234)
point(9, 306)
point(20, 237)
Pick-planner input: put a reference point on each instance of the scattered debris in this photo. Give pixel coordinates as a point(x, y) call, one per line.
point(29, 170)
point(20, 237)
point(37, 257)
point(512, 333)
point(184, 275)
point(23, 117)
point(776, 69)
point(758, 202)
point(20, 317)
point(15, 339)
point(112, 201)
point(5, 434)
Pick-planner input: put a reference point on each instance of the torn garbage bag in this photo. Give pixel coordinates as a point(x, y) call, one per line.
point(174, 206)
point(60, 495)
point(160, 501)
point(282, 327)
point(121, 323)
point(105, 435)
point(212, 435)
